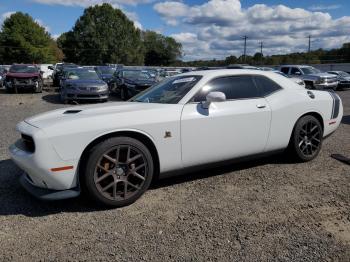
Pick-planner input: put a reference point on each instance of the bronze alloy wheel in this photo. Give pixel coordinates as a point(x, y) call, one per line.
point(121, 172)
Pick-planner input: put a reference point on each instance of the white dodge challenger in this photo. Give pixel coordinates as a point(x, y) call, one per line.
point(112, 151)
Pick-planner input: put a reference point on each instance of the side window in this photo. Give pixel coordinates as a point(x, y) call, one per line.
point(234, 87)
point(266, 86)
point(295, 71)
point(285, 70)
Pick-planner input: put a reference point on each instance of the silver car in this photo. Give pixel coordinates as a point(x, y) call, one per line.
point(83, 84)
point(343, 78)
point(313, 78)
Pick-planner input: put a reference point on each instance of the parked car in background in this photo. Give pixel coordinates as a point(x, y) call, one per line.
point(105, 72)
point(343, 79)
point(295, 79)
point(23, 77)
point(242, 66)
point(3, 72)
point(58, 72)
point(129, 82)
point(46, 71)
point(82, 84)
point(112, 152)
point(169, 73)
point(313, 78)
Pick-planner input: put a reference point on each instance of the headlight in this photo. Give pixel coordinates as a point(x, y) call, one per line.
point(101, 88)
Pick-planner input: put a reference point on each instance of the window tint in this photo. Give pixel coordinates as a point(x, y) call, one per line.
point(266, 86)
point(285, 70)
point(234, 87)
point(294, 70)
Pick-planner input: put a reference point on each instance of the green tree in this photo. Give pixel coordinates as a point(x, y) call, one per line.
point(22, 40)
point(159, 49)
point(103, 35)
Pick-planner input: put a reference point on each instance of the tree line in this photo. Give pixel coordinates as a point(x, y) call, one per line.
point(104, 35)
point(320, 56)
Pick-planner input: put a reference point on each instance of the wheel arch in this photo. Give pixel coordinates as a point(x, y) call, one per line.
point(138, 135)
point(315, 114)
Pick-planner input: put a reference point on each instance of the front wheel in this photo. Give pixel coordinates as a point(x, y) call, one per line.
point(117, 171)
point(306, 140)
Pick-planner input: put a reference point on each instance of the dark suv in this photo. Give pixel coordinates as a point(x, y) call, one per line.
point(58, 72)
point(129, 82)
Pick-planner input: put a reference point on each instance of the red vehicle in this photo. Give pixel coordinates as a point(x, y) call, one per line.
point(23, 77)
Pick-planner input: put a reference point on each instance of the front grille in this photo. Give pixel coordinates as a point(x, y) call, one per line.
point(22, 81)
point(28, 143)
point(88, 88)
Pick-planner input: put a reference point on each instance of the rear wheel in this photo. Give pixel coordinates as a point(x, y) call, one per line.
point(118, 171)
point(124, 93)
point(306, 140)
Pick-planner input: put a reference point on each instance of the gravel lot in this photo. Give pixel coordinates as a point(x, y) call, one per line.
point(269, 209)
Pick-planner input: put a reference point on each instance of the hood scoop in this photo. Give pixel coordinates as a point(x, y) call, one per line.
point(71, 112)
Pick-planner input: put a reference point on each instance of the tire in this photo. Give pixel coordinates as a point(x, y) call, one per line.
point(306, 140)
point(105, 177)
point(124, 94)
point(39, 89)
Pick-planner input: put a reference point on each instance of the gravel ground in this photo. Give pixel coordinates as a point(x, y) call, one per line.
point(269, 209)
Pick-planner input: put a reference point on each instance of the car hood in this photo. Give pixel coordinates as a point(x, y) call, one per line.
point(324, 75)
point(106, 75)
point(22, 75)
point(140, 82)
point(85, 82)
point(77, 113)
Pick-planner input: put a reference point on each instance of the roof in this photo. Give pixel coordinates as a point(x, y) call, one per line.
point(295, 66)
point(222, 72)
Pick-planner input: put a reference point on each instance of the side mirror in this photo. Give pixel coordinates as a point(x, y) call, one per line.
point(50, 67)
point(213, 97)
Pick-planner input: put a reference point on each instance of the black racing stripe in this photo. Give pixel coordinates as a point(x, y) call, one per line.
point(333, 103)
point(336, 104)
point(336, 107)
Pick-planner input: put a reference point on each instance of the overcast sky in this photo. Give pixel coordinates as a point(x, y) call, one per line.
point(212, 29)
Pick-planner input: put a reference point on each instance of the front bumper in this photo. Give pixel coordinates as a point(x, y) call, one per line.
point(40, 165)
point(332, 85)
point(47, 194)
point(86, 95)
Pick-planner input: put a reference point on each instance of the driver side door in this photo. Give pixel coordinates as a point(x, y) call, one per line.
point(234, 128)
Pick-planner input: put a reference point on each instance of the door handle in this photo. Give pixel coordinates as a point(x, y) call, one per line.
point(260, 106)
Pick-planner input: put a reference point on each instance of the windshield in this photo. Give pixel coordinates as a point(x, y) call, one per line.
point(344, 74)
point(135, 74)
point(82, 74)
point(310, 70)
point(169, 91)
point(106, 70)
point(24, 69)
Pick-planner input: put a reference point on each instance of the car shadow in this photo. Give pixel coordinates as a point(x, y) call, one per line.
point(346, 120)
point(53, 98)
point(14, 200)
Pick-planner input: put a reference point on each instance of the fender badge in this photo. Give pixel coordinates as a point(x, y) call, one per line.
point(167, 134)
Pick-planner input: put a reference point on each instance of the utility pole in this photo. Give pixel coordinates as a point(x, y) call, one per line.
point(245, 48)
point(261, 51)
point(309, 44)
